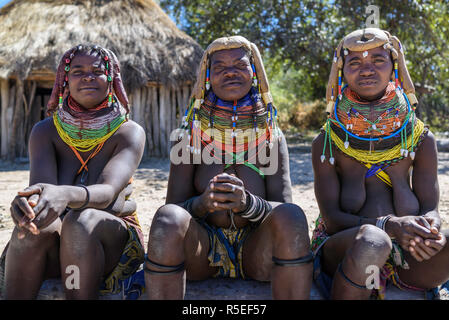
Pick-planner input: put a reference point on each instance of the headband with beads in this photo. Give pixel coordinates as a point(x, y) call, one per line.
point(363, 40)
point(60, 88)
point(202, 84)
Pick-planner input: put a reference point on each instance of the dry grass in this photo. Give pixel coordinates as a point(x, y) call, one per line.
point(308, 116)
point(35, 33)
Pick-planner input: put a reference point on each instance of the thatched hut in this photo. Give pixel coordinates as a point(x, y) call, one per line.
point(158, 62)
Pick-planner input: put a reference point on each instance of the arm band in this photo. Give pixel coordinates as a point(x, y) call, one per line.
point(257, 208)
point(87, 197)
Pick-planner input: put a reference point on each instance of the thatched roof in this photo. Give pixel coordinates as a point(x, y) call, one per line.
point(35, 33)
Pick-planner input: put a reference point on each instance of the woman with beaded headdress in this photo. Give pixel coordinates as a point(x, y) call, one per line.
point(375, 166)
point(228, 211)
point(75, 220)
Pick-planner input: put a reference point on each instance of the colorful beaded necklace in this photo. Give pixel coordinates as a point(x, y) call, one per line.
point(83, 130)
point(391, 137)
point(236, 130)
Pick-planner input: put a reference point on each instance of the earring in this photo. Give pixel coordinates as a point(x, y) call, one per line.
point(254, 75)
point(207, 79)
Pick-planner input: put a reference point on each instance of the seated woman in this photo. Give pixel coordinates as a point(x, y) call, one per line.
point(376, 183)
point(227, 213)
point(75, 221)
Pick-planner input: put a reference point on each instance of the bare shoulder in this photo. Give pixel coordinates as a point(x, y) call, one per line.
point(428, 148)
point(282, 144)
point(318, 140)
point(131, 132)
point(317, 145)
point(43, 130)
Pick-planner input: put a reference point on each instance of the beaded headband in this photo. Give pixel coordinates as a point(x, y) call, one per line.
point(202, 87)
point(202, 84)
point(60, 88)
point(363, 40)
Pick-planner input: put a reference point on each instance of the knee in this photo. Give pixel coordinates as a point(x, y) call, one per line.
point(170, 223)
point(76, 222)
point(289, 225)
point(43, 240)
point(372, 246)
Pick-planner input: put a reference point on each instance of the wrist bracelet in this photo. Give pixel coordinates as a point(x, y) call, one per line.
point(382, 221)
point(249, 205)
point(87, 197)
point(257, 209)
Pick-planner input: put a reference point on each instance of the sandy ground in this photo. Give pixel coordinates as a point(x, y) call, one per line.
point(150, 182)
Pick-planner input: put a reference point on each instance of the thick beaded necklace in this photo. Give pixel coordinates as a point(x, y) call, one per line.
point(230, 129)
point(83, 130)
point(391, 137)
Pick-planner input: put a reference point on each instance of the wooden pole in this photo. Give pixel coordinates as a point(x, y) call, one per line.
point(4, 91)
point(163, 120)
point(181, 107)
point(148, 121)
point(18, 114)
point(27, 123)
point(155, 120)
point(136, 106)
point(172, 115)
point(143, 97)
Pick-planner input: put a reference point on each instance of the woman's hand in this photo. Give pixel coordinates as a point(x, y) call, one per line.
point(415, 235)
point(424, 249)
point(22, 212)
point(427, 248)
point(224, 192)
point(50, 202)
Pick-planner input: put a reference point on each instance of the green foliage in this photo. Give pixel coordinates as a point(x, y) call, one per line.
point(297, 39)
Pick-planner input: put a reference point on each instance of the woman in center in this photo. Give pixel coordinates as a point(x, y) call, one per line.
point(228, 210)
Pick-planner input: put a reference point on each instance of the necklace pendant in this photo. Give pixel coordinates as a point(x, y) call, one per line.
point(84, 177)
point(374, 126)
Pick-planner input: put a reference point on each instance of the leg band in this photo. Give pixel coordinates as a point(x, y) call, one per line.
point(340, 270)
point(167, 269)
point(293, 262)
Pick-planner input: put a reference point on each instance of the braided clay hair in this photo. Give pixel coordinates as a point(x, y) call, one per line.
point(60, 88)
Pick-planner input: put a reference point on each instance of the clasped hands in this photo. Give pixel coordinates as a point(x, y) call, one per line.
point(224, 192)
point(419, 235)
point(36, 207)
